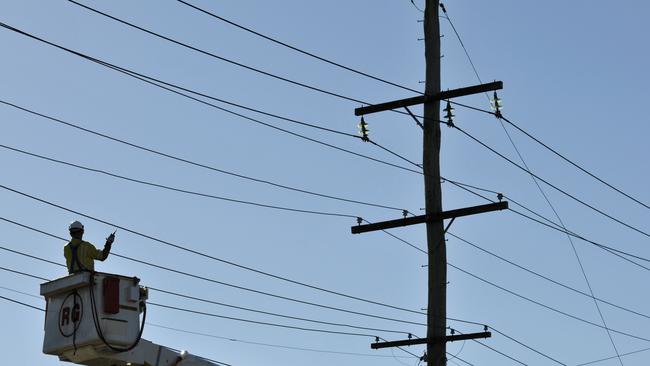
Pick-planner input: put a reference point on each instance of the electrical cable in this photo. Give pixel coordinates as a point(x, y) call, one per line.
point(547, 306)
point(98, 324)
point(221, 58)
point(21, 303)
point(24, 274)
point(193, 163)
point(161, 84)
point(250, 321)
point(448, 318)
point(552, 185)
point(271, 344)
point(214, 258)
point(206, 279)
point(499, 352)
point(232, 62)
point(555, 152)
point(204, 300)
point(613, 357)
point(544, 277)
point(616, 252)
point(20, 292)
point(527, 346)
point(158, 185)
point(294, 48)
point(573, 163)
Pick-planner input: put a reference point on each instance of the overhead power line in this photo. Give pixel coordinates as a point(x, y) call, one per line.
point(512, 142)
point(294, 48)
point(272, 345)
point(546, 278)
point(213, 302)
point(546, 222)
point(22, 303)
point(552, 185)
point(573, 163)
point(547, 306)
point(214, 258)
point(194, 163)
point(172, 88)
point(166, 187)
point(43, 310)
point(221, 58)
point(555, 152)
point(210, 280)
point(613, 357)
point(230, 61)
point(167, 268)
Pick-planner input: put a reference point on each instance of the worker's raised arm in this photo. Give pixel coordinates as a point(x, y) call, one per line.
point(107, 247)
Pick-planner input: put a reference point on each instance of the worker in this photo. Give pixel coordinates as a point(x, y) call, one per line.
point(80, 255)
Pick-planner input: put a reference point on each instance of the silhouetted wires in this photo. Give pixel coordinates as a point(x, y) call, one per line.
point(194, 163)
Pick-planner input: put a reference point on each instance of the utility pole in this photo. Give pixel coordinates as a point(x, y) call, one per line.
point(437, 262)
point(437, 338)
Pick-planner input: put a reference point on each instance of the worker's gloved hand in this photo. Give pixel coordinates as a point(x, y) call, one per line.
point(110, 239)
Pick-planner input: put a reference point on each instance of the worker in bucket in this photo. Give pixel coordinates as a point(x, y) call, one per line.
point(81, 255)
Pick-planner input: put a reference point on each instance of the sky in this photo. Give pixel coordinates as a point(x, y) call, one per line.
point(574, 74)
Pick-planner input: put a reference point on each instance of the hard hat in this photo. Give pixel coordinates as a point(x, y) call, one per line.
point(76, 226)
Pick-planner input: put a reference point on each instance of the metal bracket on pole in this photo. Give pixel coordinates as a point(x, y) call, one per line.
point(410, 342)
point(421, 99)
point(497, 206)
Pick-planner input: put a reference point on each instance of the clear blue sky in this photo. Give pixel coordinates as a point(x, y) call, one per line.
point(575, 76)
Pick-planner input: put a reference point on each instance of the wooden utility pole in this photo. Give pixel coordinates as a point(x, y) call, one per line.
point(436, 338)
point(437, 295)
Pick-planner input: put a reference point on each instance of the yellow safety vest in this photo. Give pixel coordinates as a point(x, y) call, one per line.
point(86, 255)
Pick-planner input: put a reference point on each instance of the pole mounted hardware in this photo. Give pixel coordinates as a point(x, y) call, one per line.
point(421, 99)
point(449, 338)
point(451, 214)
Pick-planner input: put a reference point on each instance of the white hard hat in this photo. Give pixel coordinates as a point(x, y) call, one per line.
point(76, 226)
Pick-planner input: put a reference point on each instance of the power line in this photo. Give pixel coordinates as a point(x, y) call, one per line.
point(552, 185)
point(230, 339)
point(546, 278)
point(256, 322)
point(499, 352)
point(207, 279)
point(20, 292)
point(232, 62)
point(204, 300)
point(260, 322)
point(21, 303)
point(221, 58)
point(208, 256)
point(573, 163)
point(294, 48)
point(613, 357)
point(527, 346)
point(460, 40)
point(158, 185)
point(547, 306)
point(552, 225)
point(194, 163)
point(43, 310)
point(255, 291)
point(168, 86)
point(24, 274)
point(555, 152)
point(222, 100)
